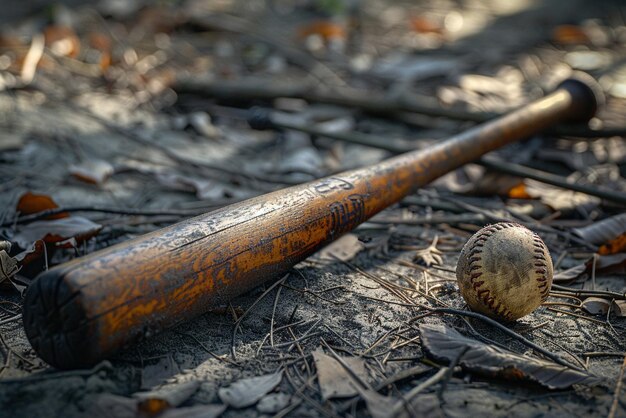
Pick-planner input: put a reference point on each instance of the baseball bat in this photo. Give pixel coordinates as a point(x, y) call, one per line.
point(83, 311)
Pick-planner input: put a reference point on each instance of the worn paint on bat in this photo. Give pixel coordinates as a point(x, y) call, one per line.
point(80, 312)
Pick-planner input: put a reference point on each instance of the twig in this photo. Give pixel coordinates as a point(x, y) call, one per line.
point(618, 388)
point(238, 321)
point(406, 399)
point(455, 362)
point(34, 54)
point(119, 211)
point(13, 318)
point(585, 293)
point(597, 321)
point(368, 101)
point(273, 315)
point(602, 354)
point(205, 348)
point(347, 368)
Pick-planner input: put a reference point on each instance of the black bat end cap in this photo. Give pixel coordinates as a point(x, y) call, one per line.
point(587, 96)
point(49, 314)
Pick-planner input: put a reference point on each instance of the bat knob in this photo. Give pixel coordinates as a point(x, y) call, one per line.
point(260, 119)
point(52, 321)
point(587, 96)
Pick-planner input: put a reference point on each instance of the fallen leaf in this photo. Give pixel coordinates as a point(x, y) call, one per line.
point(588, 60)
point(616, 245)
point(107, 405)
point(429, 256)
point(30, 203)
point(334, 380)
point(57, 231)
point(422, 24)
point(596, 306)
point(62, 40)
point(203, 188)
point(446, 344)
point(11, 141)
point(154, 374)
point(603, 231)
point(197, 411)
point(344, 249)
point(570, 274)
point(560, 199)
point(170, 396)
point(569, 34)
point(519, 192)
point(201, 123)
point(325, 29)
point(379, 406)
point(92, 171)
point(273, 403)
point(619, 308)
point(8, 267)
point(102, 43)
point(247, 392)
point(614, 263)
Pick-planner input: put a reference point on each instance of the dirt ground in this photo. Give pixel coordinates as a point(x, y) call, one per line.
point(134, 117)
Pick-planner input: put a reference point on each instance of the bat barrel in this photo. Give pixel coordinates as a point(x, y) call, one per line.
point(81, 312)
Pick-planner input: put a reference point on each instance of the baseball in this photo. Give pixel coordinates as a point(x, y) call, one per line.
point(504, 271)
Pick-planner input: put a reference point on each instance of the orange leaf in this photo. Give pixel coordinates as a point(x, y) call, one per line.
point(421, 24)
point(153, 406)
point(325, 29)
point(31, 203)
point(62, 40)
point(102, 43)
point(616, 245)
point(569, 34)
point(519, 192)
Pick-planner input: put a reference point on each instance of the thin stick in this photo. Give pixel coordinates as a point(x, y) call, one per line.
point(273, 315)
point(238, 322)
point(406, 399)
point(618, 388)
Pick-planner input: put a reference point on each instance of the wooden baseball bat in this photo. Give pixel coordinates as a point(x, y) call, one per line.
point(81, 312)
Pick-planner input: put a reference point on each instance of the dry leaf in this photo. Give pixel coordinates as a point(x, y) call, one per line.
point(31, 203)
point(247, 392)
point(8, 267)
point(379, 406)
point(519, 192)
point(62, 40)
point(325, 29)
point(273, 403)
point(57, 231)
point(603, 231)
point(344, 249)
point(596, 306)
point(92, 171)
point(619, 308)
point(446, 344)
point(169, 396)
point(570, 274)
point(569, 34)
point(201, 123)
point(334, 380)
point(102, 43)
point(154, 374)
point(107, 405)
point(614, 263)
point(430, 256)
point(203, 188)
point(197, 411)
point(422, 24)
point(616, 245)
